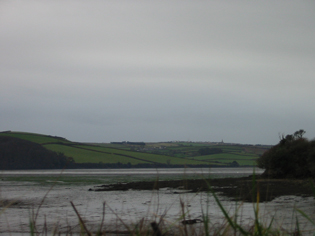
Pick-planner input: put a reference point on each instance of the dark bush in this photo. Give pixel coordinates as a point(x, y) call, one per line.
point(292, 157)
point(209, 151)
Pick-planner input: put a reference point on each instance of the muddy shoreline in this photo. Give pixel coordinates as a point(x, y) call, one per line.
point(240, 189)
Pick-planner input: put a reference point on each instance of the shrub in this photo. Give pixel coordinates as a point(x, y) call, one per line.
point(292, 157)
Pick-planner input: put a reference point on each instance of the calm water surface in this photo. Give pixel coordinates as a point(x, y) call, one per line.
point(159, 171)
point(105, 176)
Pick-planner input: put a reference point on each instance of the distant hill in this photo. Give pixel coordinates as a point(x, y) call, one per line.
point(126, 154)
point(97, 156)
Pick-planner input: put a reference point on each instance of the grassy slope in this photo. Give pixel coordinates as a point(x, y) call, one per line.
point(83, 153)
point(146, 157)
point(232, 153)
point(36, 138)
point(87, 156)
point(229, 157)
point(109, 153)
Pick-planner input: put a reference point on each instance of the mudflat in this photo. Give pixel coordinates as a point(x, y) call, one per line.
point(247, 189)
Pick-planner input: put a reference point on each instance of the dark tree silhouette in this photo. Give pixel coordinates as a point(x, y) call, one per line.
point(292, 157)
point(18, 153)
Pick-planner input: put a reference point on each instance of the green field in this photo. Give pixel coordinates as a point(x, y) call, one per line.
point(166, 153)
point(86, 156)
point(36, 138)
point(228, 157)
point(244, 155)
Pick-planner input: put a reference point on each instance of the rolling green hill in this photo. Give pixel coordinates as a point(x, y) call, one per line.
point(85, 153)
point(147, 155)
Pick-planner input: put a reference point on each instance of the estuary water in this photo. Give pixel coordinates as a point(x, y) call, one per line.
point(218, 172)
point(46, 195)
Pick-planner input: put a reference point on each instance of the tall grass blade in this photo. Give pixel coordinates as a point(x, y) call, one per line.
point(32, 228)
point(254, 186)
point(123, 223)
point(232, 223)
point(297, 231)
point(305, 216)
point(80, 219)
point(258, 226)
point(99, 232)
point(184, 216)
point(270, 224)
point(205, 219)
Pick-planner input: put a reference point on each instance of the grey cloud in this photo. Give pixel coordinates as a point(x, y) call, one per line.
point(151, 71)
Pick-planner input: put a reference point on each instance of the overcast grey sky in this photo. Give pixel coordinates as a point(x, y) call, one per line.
point(102, 71)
